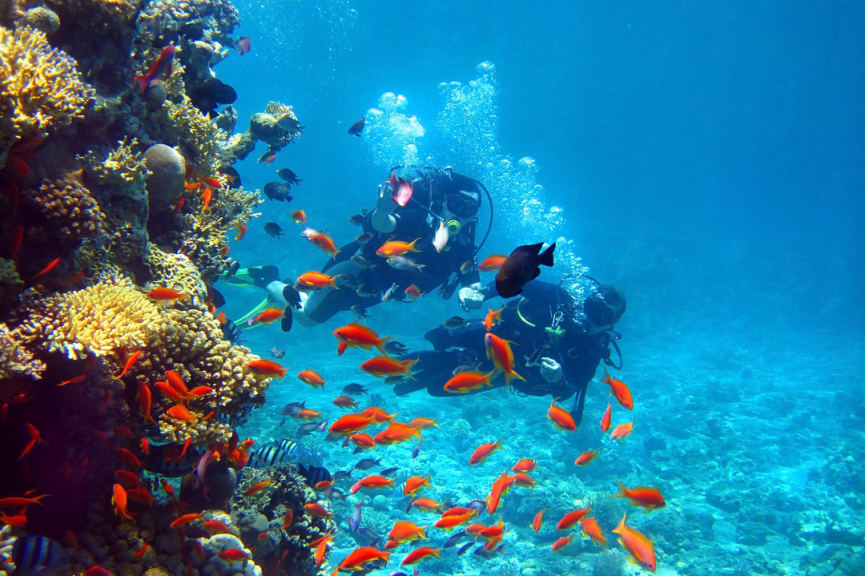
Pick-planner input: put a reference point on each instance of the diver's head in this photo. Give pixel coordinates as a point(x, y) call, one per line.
point(459, 208)
point(603, 308)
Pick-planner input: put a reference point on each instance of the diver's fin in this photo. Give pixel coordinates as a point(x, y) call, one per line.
point(263, 275)
point(286, 320)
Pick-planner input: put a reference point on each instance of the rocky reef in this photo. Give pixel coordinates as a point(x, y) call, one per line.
point(117, 201)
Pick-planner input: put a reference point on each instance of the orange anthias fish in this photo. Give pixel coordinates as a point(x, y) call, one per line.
point(269, 315)
point(316, 281)
point(35, 437)
point(362, 441)
point(350, 423)
point(241, 232)
point(312, 378)
point(130, 361)
point(645, 496)
point(593, 530)
point(500, 487)
point(76, 380)
point(216, 527)
point(145, 401)
point(378, 415)
point(454, 520)
point(165, 294)
point(523, 479)
point(370, 482)
point(419, 554)
point(316, 510)
point(422, 423)
point(257, 488)
point(396, 248)
point(185, 519)
point(51, 266)
point(414, 484)
point(234, 554)
point(483, 451)
point(605, 420)
point(176, 382)
point(538, 519)
point(21, 501)
point(383, 366)
point(324, 243)
point(524, 465)
point(572, 518)
point(427, 504)
point(622, 431)
point(309, 414)
point(405, 531)
point(492, 263)
point(361, 556)
point(561, 417)
point(266, 368)
point(345, 402)
point(180, 413)
point(397, 432)
point(561, 543)
point(359, 336)
point(641, 549)
point(492, 318)
point(412, 292)
point(465, 382)
point(120, 499)
point(299, 217)
point(586, 457)
point(169, 391)
point(206, 197)
point(620, 390)
point(200, 391)
point(499, 351)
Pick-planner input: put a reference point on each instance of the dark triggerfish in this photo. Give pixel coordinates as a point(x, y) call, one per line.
point(521, 266)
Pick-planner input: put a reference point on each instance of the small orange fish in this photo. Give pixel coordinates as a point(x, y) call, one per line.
point(75, 380)
point(370, 482)
point(593, 530)
point(419, 554)
point(312, 378)
point(74, 278)
point(169, 391)
point(17, 520)
point(269, 315)
point(483, 452)
point(165, 294)
point(572, 518)
point(119, 499)
point(316, 510)
point(320, 552)
point(130, 361)
point(646, 497)
point(200, 391)
point(266, 368)
point(465, 382)
point(308, 414)
point(144, 445)
point(561, 543)
point(620, 390)
point(622, 431)
point(192, 186)
point(234, 554)
point(21, 501)
point(414, 484)
point(180, 413)
point(316, 281)
point(605, 419)
point(412, 292)
point(422, 423)
point(492, 263)
point(51, 266)
point(178, 205)
point(345, 402)
point(641, 549)
point(452, 521)
point(359, 336)
point(323, 485)
point(524, 465)
point(378, 415)
point(383, 366)
point(538, 519)
point(256, 488)
point(176, 381)
point(142, 551)
point(222, 319)
point(206, 197)
point(561, 418)
point(360, 556)
point(212, 182)
point(241, 232)
point(427, 504)
point(499, 351)
point(586, 457)
point(492, 318)
point(397, 432)
point(129, 457)
point(216, 527)
point(299, 217)
point(35, 437)
point(396, 248)
point(324, 243)
point(523, 479)
point(288, 520)
point(350, 423)
point(185, 519)
point(362, 441)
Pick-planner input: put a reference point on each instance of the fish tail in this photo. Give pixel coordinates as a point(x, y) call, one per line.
point(407, 371)
point(381, 342)
point(546, 257)
point(411, 245)
point(620, 529)
point(623, 492)
point(141, 82)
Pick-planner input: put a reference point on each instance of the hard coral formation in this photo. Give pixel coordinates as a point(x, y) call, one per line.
point(40, 87)
point(277, 127)
point(15, 359)
point(177, 272)
point(197, 135)
point(66, 213)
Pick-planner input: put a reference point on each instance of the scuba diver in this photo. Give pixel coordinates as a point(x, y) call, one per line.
point(560, 340)
point(434, 206)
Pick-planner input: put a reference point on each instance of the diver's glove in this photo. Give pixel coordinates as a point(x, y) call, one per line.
point(471, 297)
point(551, 370)
point(382, 218)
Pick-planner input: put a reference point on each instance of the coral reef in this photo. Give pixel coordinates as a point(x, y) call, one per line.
point(66, 214)
point(40, 87)
point(277, 127)
point(15, 359)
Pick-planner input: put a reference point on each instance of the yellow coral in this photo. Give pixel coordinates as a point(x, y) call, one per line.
point(197, 134)
point(40, 86)
point(177, 272)
point(124, 166)
point(15, 359)
point(100, 319)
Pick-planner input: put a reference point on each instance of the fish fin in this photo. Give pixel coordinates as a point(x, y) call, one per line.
point(621, 527)
point(341, 347)
point(622, 493)
point(536, 273)
point(546, 257)
point(141, 82)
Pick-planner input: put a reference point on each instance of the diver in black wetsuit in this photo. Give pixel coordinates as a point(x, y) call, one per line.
point(558, 343)
point(439, 197)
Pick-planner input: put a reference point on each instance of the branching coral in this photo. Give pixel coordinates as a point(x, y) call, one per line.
point(124, 168)
point(197, 135)
point(40, 86)
point(15, 359)
point(175, 271)
point(160, 19)
point(100, 320)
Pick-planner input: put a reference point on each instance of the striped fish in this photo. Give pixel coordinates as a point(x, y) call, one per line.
point(273, 454)
point(36, 555)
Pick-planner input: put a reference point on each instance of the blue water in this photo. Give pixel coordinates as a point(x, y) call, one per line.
point(707, 159)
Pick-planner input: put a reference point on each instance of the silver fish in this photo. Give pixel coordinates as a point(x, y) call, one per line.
point(367, 463)
point(387, 295)
point(277, 352)
point(404, 263)
point(361, 261)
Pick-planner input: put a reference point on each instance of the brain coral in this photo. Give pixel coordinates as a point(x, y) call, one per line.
point(100, 319)
point(40, 86)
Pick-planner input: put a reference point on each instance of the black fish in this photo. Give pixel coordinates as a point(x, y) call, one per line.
point(389, 471)
point(232, 270)
point(273, 454)
point(289, 176)
point(357, 219)
point(521, 266)
point(278, 191)
point(357, 128)
point(395, 348)
point(354, 389)
point(233, 175)
point(359, 311)
point(454, 322)
point(464, 548)
point(367, 463)
point(273, 229)
point(340, 474)
point(36, 554)
point(292, 408)
point(452, 541)
point(314, 474)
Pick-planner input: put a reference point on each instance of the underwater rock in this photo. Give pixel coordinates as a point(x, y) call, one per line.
point(263, 127)
point(217, 566)
point(167, 175)
point(227, 120)
point(41, 18)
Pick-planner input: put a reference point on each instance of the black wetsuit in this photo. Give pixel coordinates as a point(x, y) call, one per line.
point(413, 221)
point(578, 351)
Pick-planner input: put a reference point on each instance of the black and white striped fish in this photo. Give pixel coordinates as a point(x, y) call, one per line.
point(36, 555)
point(273, 454)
